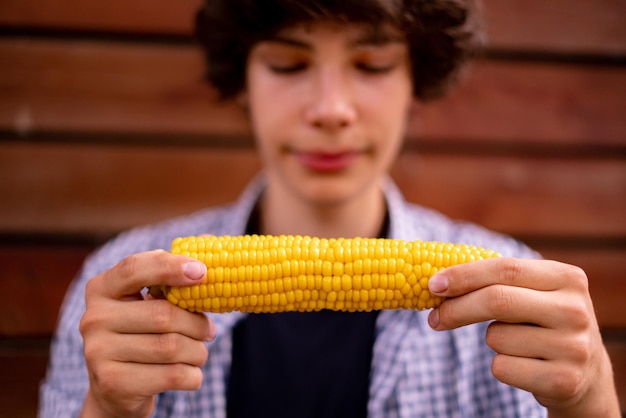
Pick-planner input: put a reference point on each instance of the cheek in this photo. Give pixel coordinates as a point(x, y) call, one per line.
point(271, 107)
point(269, 126)
point(389, 117)
point(391, 95)
point(388, 113)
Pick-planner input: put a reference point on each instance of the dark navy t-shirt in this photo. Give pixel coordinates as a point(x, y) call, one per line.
point(301, 364)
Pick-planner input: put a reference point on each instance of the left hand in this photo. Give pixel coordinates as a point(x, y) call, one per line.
point(545, 332)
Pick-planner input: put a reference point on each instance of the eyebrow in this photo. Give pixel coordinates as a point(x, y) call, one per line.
point(289, 42)
point(369, 38)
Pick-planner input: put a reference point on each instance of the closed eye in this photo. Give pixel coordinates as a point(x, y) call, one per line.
point(287, 68)
point(375, 69)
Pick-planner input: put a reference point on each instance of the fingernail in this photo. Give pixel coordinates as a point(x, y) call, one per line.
point(194, 270)
point(438, 283)
point(433, 319)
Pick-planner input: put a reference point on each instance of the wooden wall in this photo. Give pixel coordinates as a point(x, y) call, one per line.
point(104, 121)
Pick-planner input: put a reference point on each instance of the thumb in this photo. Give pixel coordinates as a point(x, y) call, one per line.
point(151, 269)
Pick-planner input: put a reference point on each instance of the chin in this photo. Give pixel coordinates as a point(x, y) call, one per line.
point(328, 191)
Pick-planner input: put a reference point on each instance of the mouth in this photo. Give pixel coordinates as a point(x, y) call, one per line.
point(326, 162)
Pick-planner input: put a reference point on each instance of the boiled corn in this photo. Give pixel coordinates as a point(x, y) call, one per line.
point(264, 273)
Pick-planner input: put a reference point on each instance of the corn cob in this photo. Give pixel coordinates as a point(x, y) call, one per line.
point(264, 273)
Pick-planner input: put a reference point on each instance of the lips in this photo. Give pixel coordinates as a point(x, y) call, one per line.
point(326, 161)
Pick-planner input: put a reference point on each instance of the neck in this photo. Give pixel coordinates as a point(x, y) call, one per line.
point(284, 213)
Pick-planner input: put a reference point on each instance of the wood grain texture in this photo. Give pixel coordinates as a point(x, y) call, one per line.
point(567, 26)
point(105, 189)
point(104, 86)
point(36, 278)
point(521, 196)
point(117, 16)
point(87, 86)
point(22, 371)
point(579, 26)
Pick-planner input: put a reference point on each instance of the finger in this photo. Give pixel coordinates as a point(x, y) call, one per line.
point(534, 274)
point(157, 349)
point(497, 302)
point(548, 380)
point(148, 269)
point(127, 379)
point(148, 316)
point(525, 340)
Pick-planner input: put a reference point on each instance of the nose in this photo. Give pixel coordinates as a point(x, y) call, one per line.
point(331, 103)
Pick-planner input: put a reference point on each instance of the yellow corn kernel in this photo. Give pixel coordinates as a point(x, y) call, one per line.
point(264, 273)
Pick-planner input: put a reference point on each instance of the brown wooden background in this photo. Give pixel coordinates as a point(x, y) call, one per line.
point(104, 123)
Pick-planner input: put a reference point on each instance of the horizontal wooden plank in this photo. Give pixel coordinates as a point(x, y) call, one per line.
point(595, 27)
point(37, 276)
point(22, 372)
point(558, 25)
point(135, 16)
point(103, 189)
point(87, 86)
point(539, 103)
point(92, 86)
point(521, 196)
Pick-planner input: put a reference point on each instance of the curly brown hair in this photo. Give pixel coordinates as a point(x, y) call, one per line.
point(443, 35)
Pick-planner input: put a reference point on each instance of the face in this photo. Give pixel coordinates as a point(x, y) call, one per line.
point(329, 106)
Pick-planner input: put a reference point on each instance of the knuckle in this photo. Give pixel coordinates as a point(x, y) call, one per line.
point(578, 277)
point(500, 301)
point(107, 379)
point(95, 346)
point(85, 323)
point(579, 316)
point(168, 346)
point(566, 382)
point(90, 288)
point(90, 321)
point(91, 351)
point(129, 266)
point(580, 349)
point(184, 377)
point(511, 269)
point(162, 315)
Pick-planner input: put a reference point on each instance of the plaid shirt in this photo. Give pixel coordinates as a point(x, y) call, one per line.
point(415, 371)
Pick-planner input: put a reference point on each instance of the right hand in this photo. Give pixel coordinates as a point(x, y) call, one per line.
point(137, 346)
